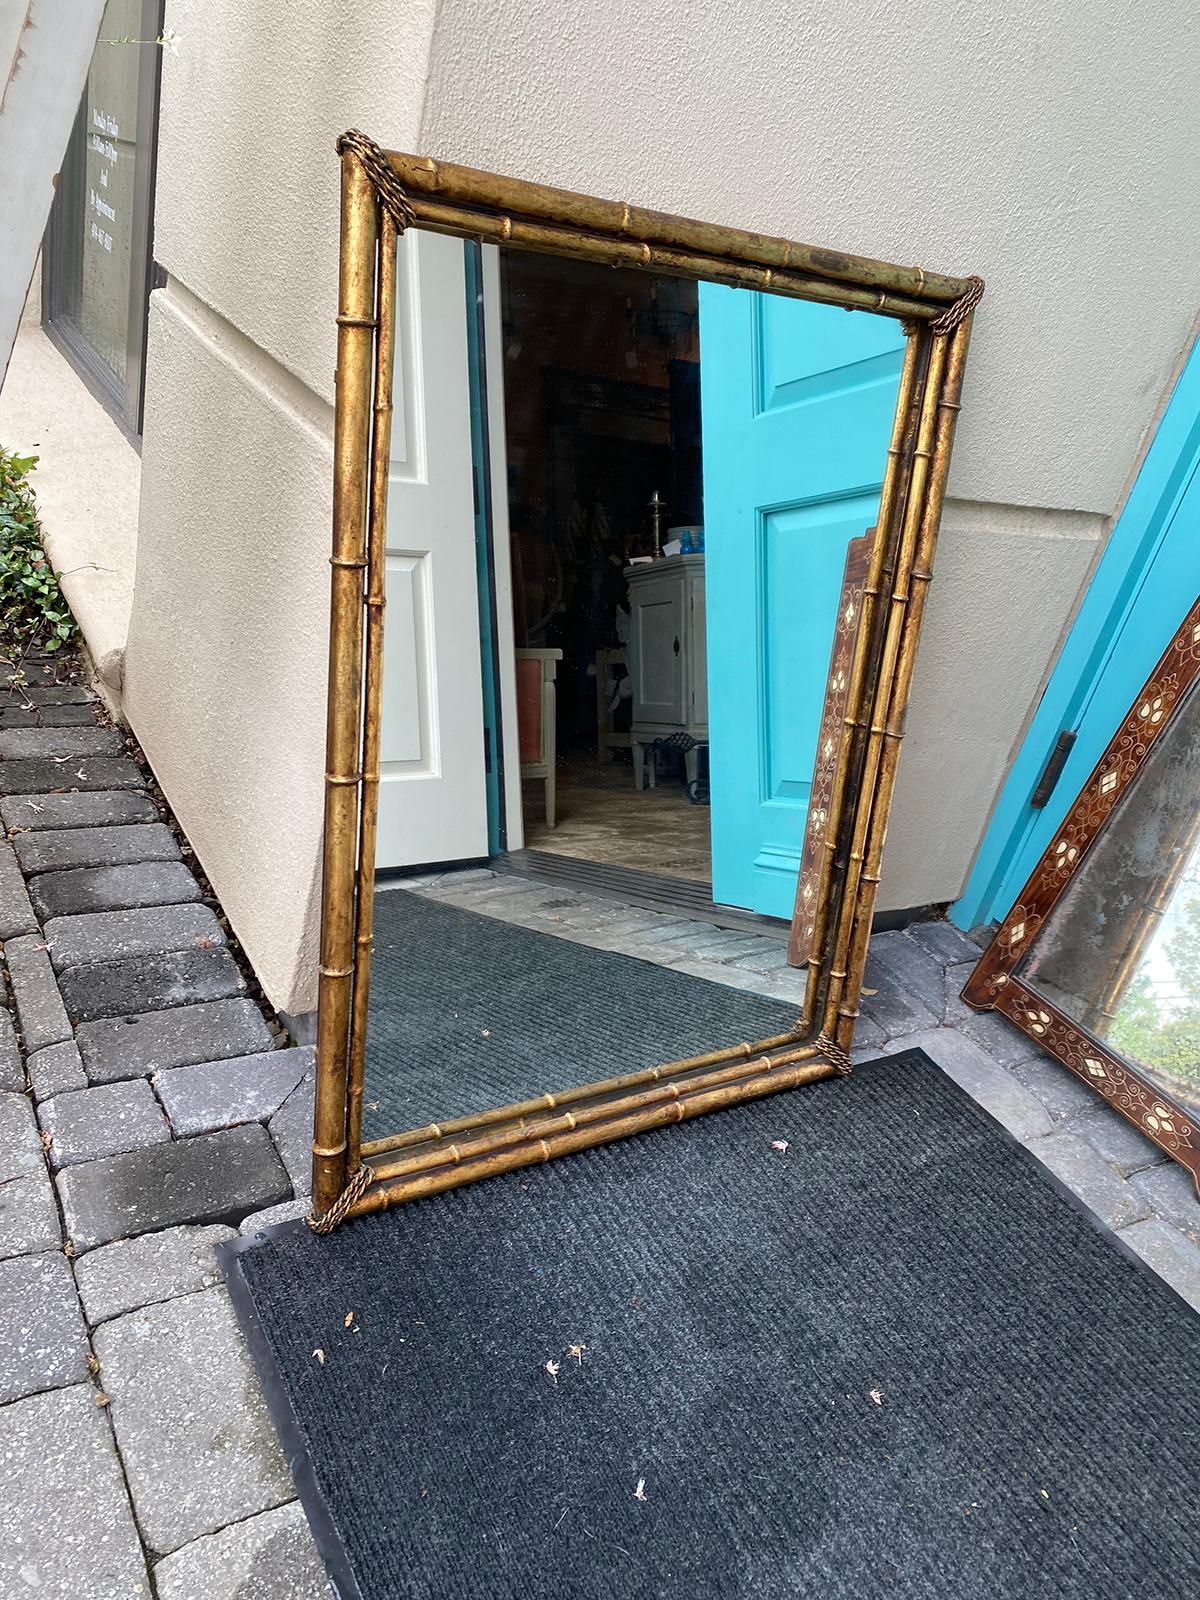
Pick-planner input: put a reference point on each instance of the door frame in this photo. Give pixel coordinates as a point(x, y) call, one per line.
point(1018, 832)
point(493, 546)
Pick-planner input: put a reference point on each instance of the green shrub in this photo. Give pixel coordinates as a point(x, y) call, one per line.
point(31, 603)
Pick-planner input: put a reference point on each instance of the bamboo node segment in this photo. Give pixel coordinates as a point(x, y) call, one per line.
point(326, 1221)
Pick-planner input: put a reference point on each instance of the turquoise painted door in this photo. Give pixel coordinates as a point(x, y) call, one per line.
point(797, 403)
point(1147, 579)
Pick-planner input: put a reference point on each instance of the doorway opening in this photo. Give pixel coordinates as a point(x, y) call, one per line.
point(601, 381)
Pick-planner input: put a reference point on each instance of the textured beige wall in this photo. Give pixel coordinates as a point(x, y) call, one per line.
point(1004, 582)
point(1048, 146)
point(223, 681)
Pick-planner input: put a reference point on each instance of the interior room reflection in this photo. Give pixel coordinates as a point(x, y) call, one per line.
point(602, 411)
point(1120, 951)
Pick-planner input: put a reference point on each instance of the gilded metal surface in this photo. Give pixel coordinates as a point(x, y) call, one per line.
point(936, 310)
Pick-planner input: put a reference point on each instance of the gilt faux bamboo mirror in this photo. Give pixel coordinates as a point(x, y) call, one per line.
point(649, 506)
point(1099, 960)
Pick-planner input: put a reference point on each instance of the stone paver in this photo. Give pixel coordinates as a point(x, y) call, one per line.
point(137, 1272)
point(109, 936)
point(60, 694)
point(190, 1420)
point(92, 889)
point(58, 849)
point(27, 744)
point(948, 945)
point(903, 986)
point(43, 1339)
point(770, 955)
point(1121, 1144)
point(1089, 1176)
point(292, 1130)
point(68, 1531)
point(12, 1073)
point(138, 1045)
point(60, 716)
point(104, 808)
point(149, 983)
point(984, 1080)
point(44, 774)
point(28, 1216)
point(16, 913)
point(1174, 1258)
point(216, 1177)
point(1060, 1091)
point(271, 1556)
point(289, 1211)
point(1172, 1193)
point(41, 1014)
point(89, 1124)
point(215, 1094)
point(20, 1143)
point(56, 1070)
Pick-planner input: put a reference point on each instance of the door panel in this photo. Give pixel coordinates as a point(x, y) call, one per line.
point(432, 793)
point(797, 403)
point(655, 654)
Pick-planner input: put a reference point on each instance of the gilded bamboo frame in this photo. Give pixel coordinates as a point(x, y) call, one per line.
point(994, 984)
point(382, 191)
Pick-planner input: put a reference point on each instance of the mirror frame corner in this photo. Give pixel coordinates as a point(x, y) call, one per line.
point(993, 984)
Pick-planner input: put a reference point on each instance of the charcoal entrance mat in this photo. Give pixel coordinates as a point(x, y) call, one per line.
point(890, 1359)
point(469, 1012)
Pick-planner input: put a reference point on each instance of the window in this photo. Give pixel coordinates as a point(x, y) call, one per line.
point(97, 272)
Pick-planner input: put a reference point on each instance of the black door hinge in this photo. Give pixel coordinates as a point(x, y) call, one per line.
point(1052, 771)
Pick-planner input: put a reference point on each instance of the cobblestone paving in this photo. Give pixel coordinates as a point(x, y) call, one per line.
point(138, 1085)
point(149, 1108)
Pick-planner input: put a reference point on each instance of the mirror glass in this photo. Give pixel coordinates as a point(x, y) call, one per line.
point(1119, 952)
point(619, 513)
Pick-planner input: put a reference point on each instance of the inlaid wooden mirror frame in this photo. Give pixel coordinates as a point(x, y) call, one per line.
point(383, 193)
point(994, 984)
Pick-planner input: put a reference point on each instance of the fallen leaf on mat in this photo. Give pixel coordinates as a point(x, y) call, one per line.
point(640, 1492)
point(577, 1350)
point(349, 1318)
point(552, 1368)
point(320, 1355)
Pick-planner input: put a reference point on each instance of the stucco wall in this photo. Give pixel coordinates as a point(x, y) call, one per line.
point(1049, 147)
point(222, 682)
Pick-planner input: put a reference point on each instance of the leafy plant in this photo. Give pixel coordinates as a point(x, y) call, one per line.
point(31, 601)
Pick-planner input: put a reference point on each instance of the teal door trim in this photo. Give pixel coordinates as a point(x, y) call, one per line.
point(489, 650)
point(1142, 587)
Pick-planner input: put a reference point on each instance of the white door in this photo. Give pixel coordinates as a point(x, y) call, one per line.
point(433, 791)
